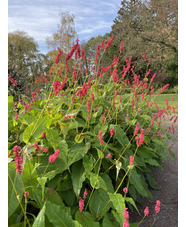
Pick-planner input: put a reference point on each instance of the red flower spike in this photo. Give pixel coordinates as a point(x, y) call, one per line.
point(131, 160)
point(18, 160)
point(136, 129)
point(81, 205)
point(125, 190)
point(146, 211)
point(100, 137)
point(157, 207)
point(85, 194)
point(52, 158)
point(108, 155)
point(126, 213)
point(121, 46)
point(109, 42)
point(12, 80)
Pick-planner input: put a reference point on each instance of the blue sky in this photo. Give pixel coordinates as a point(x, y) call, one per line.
point(39, 18)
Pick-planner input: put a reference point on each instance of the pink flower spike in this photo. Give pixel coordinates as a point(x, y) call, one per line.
point(36, 146)
point(112, 132)
point(146, 211)
point(100, 137)
point(108, 155)
point(26, 194)
point(126, 213)
point(43, 135)
point(53, 157)
point(81, 205)
point(126, 223)
point(121, 46)
point(18, 159)
point(157, 207)
point(131, 160)
point(125, 190)
point(137, 128)
point(85, 194)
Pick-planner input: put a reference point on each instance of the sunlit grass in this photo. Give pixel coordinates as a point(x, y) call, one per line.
point(160, 101)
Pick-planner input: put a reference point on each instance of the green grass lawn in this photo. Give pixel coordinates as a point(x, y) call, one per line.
point(160, 101)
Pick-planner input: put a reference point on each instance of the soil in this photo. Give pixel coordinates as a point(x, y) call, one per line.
point(167, 181)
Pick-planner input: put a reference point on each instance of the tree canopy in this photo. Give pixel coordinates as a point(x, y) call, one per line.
point(24, 60)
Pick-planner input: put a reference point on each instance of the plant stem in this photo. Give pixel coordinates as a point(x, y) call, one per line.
point(141, 220)
point(18, 199)
point(154, 220)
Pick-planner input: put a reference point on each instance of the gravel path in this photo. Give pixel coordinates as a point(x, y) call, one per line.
point(167, 180)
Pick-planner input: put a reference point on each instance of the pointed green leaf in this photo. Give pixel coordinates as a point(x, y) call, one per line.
point(86, 219)
point(77, 152)
point(29, 175)
point(78, 176)
point(40, 220)
point(53, 138)
point(121, 137)
point(35, 129)
point(42, 181)
point(99, 203)
point(131, 201)
point(119, 205)
point(97, 182)
point(58, 216)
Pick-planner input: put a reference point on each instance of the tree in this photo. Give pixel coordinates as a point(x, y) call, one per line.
point(65, 36)
point(24, 60)
point(147, 28)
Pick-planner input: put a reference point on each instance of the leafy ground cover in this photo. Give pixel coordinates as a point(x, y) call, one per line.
point(81, 151)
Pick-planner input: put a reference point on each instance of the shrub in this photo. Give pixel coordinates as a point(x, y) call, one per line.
point(78, 147)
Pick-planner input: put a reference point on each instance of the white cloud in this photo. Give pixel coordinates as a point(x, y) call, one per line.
point(39, 18)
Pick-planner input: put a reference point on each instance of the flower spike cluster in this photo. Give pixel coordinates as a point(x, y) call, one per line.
point(53, 157)
point(18, 159)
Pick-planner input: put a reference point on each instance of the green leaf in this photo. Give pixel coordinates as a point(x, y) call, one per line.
point(88, 162)
point(87, 220)
point(52, 196)
point(53, 138)
point(151, 180)
point(29, 174)
point(69, 197)
point(40, 220)
point(51, 175)
point(13, 202)
point(26, 119)
point(108, 182)
point(97, 182)
point(77, 152)
point(78, 176)
point(131, 201)
point(79, 138)
point(119, 205)
point(58, 166)
point(58, 216)
point(42, 181)
point(121, 137)
point(139, 183)
point(146, 152)
point(109, 221)
point(35, 129)
point(10, 101)
point(99, 201)
point(152, 162)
